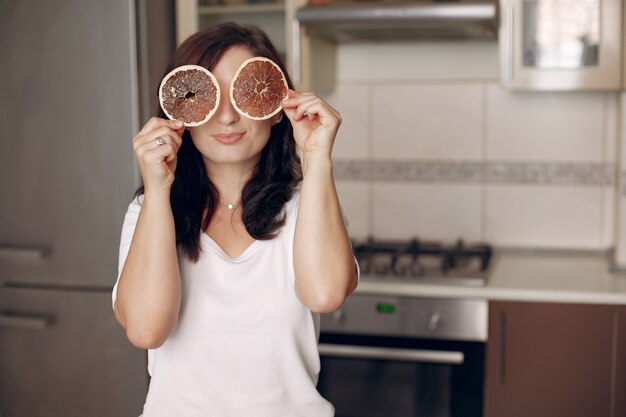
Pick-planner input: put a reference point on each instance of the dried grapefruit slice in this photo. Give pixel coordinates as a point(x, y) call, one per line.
point(258, 88)
point(189, 93)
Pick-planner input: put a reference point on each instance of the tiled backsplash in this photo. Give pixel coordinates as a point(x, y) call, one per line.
point(432, 146)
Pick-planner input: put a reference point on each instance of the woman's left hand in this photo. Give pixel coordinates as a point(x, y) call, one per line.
point(314, 122)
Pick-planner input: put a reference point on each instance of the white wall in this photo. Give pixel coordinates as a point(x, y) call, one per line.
point(433, 147)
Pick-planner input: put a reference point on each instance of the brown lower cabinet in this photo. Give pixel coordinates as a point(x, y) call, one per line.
point(556, 360)
point(620, 368)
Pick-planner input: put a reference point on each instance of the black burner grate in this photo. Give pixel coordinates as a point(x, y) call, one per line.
point(415, 258)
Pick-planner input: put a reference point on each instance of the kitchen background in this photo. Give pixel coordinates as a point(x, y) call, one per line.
point(433, 146)
point(432, 139)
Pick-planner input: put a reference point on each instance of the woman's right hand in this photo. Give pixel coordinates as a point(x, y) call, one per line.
point(157, 162)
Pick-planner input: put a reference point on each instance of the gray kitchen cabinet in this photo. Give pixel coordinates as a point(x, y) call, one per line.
point(62, 354)
point(68, 115)
point(549, 359)
point(66, 166)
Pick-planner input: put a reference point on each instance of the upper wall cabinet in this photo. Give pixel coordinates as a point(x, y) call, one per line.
point(317, 26)
point(310, 61)
point(561, 45)
point(269, 15)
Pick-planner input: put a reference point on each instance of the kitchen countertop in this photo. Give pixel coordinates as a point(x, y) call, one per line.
point(526, 275)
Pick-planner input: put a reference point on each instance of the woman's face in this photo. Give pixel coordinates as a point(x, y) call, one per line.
point(228, 137)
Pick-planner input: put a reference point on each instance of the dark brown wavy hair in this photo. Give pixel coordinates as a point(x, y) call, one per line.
point(274, 178)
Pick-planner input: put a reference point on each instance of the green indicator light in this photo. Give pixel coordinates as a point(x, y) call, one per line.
point(386, 308)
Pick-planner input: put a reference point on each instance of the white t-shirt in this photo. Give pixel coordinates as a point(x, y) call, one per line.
point(245, 346)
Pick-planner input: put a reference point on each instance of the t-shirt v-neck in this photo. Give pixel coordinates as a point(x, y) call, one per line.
point(213, 245)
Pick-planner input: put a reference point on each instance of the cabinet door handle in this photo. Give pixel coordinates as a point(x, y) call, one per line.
point(13, 252)
point(22, 321)
point(500, 347)
point(296, 53)
point(509, 45)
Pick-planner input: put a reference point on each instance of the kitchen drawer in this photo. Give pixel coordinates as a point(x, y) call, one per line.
point(62, 354)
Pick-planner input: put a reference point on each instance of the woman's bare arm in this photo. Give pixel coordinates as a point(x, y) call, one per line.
point(323, 257)
point(323, 260)
point(149, 288)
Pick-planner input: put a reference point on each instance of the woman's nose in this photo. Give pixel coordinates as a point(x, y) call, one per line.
point(226, 113)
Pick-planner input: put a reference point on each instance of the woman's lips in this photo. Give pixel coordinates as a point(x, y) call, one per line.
point(228, 138)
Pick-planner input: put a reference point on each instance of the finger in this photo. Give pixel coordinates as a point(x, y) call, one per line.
point(295, 105)
point(146, 152)
point(166, 133)
point(180, 131)
point(289, 113)
point(164, 153)
point(157, 122)
point(299, 106)
point(328, 109)
point(302, 100)
point(160, 142)
point(294, 93)
point(165, 147)
point(303, 108)
point(295, 100)
point(170, 135)
point(163, 144)
point(323, 113)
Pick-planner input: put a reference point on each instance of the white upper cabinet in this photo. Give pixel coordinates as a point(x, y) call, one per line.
point(310, 62)
point(269, 15)
point(560, 45)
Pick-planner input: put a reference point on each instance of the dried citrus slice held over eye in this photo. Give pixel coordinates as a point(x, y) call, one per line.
point(189, 93)
point(258, 88)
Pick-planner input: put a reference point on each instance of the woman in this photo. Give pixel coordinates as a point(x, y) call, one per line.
point(232, 246)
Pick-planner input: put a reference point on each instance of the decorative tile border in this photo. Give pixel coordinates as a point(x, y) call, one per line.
point(551, 173)
point(408, 171)
point(599, 174)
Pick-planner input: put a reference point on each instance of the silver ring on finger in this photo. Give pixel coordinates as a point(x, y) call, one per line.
point(161, 141)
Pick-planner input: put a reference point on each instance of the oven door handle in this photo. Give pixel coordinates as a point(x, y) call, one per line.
point(392, 354)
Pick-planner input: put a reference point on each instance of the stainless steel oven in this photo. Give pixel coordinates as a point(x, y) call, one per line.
point(388, 356)
point(408, 356)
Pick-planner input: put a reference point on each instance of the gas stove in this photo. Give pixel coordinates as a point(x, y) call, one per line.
point(417, 261)
point(413, 343)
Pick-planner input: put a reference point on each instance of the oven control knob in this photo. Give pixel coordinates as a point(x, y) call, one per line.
point(433, 323)
point(337, 316)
